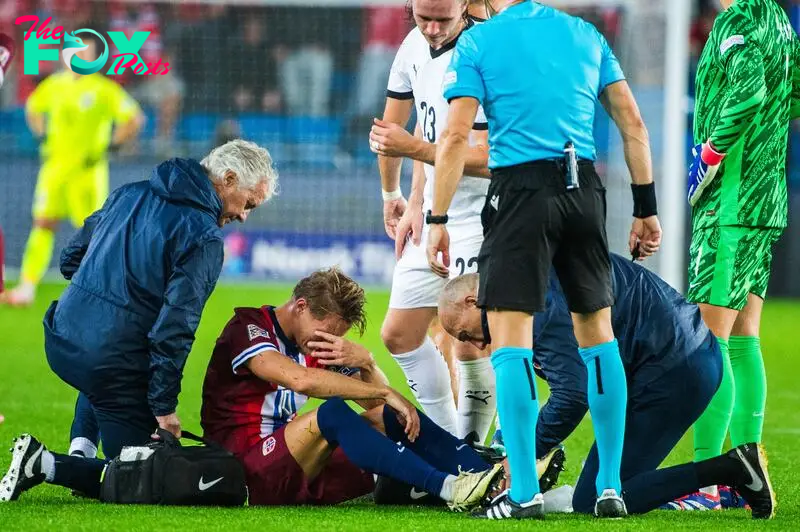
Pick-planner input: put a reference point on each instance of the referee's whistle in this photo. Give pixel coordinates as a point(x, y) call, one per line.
point(571, 163)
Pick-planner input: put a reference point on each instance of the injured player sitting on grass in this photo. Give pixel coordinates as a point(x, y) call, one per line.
point(266, 363)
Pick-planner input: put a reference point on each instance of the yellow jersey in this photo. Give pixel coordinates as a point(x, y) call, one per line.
point(80, 112)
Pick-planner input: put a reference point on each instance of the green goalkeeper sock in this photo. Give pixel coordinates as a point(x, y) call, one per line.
point(747, 422)
point(712, 427)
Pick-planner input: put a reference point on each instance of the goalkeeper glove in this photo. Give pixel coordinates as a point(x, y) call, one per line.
point(702, 170)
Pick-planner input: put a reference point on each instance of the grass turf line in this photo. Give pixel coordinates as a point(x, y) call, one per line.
point(34, 400)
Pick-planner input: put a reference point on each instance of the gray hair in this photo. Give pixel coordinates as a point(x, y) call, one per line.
point(251, 163)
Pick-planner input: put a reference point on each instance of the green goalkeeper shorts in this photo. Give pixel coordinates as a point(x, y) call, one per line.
point(726, 263)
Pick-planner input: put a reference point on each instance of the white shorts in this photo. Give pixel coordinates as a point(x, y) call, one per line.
point(414, 284)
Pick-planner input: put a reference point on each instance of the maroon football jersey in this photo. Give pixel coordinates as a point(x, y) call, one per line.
point(239, 409)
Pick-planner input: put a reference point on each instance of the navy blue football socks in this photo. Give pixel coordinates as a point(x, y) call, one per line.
point(79, 473)
point(435, 445)
point(84, 424)
point(374, 452)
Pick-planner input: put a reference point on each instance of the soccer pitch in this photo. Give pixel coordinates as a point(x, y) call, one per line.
point(34, 400)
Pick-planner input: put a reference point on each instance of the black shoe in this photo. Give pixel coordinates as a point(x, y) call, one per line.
point(26, 469)
point(755, 487)
point(610, 505)
point(504, 508)
point(490, 454)
point(550, 467)
point(393, 492)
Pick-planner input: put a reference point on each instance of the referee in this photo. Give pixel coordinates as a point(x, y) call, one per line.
point(538, 74)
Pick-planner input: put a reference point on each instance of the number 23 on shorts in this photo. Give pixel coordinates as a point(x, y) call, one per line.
point(466, 266)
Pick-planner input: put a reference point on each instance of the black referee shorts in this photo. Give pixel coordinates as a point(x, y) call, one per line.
point(530, 222)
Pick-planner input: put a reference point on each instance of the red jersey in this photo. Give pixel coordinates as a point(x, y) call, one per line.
point(239, 409)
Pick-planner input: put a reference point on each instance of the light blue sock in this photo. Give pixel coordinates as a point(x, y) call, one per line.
point(518, 408)
point(608, 399)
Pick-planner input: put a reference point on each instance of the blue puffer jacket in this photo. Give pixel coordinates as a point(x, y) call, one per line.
point(142, 268)
point(657, 330)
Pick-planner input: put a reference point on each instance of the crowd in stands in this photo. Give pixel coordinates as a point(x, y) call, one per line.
point(230, 60)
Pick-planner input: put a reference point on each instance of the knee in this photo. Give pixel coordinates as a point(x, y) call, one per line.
point(746, 325)
point(593, 328)
point(398, 339)
point(330, 416)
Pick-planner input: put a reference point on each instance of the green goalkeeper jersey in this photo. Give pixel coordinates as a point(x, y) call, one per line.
point(746, 80)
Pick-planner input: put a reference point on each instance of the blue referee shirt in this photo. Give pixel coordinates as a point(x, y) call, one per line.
point(538, 73)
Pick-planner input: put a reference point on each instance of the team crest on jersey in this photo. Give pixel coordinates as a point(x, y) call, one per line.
point(730, 42)
point(86, 100)
point(254, 331)
point(268, 446)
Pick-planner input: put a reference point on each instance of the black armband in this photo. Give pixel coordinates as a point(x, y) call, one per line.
point(644, 200)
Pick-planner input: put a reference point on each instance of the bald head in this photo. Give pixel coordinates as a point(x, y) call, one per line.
point(458, 310)
point(457, 289)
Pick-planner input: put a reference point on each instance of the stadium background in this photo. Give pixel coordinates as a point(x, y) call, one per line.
point(329, 211)
point(305, 81)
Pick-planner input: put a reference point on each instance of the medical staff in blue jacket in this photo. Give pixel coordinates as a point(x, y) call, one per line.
point(141, 271)
point(673, 367)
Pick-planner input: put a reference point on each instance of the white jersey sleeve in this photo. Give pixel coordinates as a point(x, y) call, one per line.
point(400, 82)
point(481, 123)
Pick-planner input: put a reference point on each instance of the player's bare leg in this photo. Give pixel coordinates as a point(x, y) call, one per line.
point(35, 262)
point(608, 398)
point(307, 445)
point(405, 335)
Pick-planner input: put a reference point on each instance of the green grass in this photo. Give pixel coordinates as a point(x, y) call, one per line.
point(34, 400)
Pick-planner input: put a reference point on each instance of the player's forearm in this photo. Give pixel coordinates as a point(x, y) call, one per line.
point(418, 179)
point(389, 168)
point(636, 146)
point(35, 123)
point(128, 130)
point(476, 162)
point(397, 112)
point(749, 90)
point(324, 384)
point(450, 159)
point(372, 374)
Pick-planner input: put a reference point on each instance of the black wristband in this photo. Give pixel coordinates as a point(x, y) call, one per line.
point(431, 219)
point(644, 200)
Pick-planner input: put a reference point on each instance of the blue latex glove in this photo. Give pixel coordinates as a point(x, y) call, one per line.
point(702, 170)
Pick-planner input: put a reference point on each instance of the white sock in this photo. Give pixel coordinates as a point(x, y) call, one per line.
point(448, 488)
point(429, 380)
point(477, 400)
point(26, 290)
point(48, 466)
point(710, 490)
point(83, 447)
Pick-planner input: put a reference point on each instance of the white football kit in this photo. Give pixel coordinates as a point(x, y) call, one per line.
point(418, 72)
